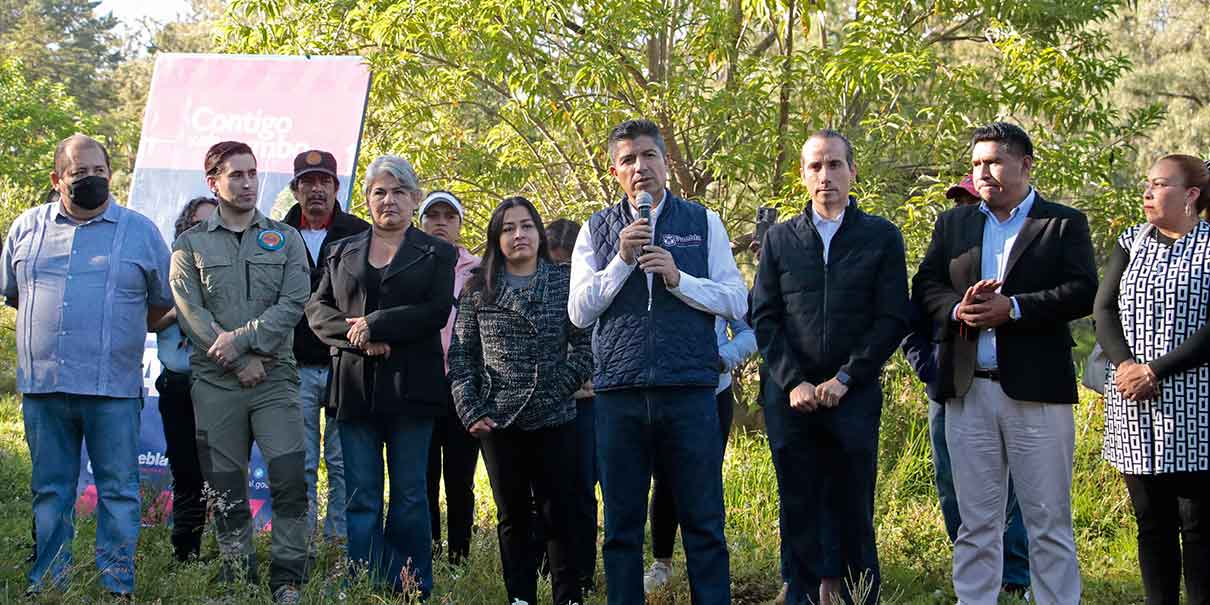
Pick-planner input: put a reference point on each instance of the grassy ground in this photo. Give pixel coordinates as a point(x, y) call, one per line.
point(912, 544)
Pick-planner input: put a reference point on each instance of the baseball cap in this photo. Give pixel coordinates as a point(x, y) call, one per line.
point(967, 185)
point(315, 160)
point(442, 197)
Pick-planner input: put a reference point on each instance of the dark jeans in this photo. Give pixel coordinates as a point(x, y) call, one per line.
point(1016, 539)
point(663, 503)
point(180, 438)
point(461, 456)
point(405, 539)
point(776, 439)
point(828, 519)
point(1169, 510)
point(524, 466)
point(674, 433)
point(584, 519)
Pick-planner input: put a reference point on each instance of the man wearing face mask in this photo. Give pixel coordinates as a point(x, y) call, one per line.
point(319, 218)
point(86, 277)
point(240, 281)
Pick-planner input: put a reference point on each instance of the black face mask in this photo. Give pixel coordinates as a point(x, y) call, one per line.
point(89, 192)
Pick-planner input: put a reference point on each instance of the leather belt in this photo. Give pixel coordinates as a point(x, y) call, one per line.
point(988, 374)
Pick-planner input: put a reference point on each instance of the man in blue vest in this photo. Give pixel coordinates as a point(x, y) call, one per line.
point(657, 361)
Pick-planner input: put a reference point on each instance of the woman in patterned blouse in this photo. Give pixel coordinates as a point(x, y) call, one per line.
point(1151, 316)
point(515, 361)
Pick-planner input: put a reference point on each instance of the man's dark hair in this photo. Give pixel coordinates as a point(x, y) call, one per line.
point(61, 151)
point(185, 219)
point(1010, 136)
point(219, 152)
point(633, 129)
point(828, 133)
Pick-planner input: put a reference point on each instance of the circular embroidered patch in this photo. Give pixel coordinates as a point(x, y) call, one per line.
point(271, 239)
point(314, 158)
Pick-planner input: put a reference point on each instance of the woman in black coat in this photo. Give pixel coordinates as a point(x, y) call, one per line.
point(383, 298)
point(515, 362)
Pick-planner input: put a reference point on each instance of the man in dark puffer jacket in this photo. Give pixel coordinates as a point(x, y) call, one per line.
point(657, 362)
point(830, 307)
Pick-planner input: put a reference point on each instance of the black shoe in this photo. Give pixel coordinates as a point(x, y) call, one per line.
point(121, 597)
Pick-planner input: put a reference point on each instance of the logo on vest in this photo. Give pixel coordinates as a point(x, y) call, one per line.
point(672, 240)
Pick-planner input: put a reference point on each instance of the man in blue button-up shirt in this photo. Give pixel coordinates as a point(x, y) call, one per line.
point(85, 276)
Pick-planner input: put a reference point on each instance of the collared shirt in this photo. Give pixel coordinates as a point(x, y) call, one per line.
point(593, 288)
point(82, 292)
point(827, 229)
point(998, 239)
point(253, 285)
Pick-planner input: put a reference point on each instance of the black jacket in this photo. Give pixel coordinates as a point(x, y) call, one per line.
point(414, 302)
point(519, 359)
point(308, 350)
point(813, 320)
point(1051, 273)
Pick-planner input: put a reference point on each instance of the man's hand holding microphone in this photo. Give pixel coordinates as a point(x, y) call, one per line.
point(636, 244)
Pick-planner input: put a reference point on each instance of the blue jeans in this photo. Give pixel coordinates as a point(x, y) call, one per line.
point(406, 539)
point(672, 431)
point(1016, 539)
point(312, 386)
point(55, 426)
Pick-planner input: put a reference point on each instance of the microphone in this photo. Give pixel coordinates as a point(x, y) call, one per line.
point(643, 202)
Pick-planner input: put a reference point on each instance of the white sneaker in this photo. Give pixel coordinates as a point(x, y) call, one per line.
point(657, 576)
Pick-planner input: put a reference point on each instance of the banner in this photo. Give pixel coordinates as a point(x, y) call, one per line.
point(280, 106)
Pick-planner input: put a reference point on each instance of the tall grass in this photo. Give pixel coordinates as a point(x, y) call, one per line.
point(914, 551)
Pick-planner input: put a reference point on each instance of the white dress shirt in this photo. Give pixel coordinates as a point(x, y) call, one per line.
point(827, 229)
point(593, 288)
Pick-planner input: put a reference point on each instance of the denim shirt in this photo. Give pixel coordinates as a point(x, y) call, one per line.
point(82, 292)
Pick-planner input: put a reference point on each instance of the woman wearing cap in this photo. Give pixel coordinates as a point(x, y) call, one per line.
point(383, 298)
point(515, 361)
point(453, 447)
point(1151, 319)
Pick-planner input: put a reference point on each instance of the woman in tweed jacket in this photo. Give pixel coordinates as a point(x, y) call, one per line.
point(515, 361)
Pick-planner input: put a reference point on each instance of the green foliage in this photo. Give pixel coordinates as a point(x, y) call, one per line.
point(34, 116)
point(496, 97)
point(63, 41)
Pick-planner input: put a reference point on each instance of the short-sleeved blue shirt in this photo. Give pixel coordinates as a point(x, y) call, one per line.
point(82, 291)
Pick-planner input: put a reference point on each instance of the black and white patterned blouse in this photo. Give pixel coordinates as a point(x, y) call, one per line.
point(1163, 300)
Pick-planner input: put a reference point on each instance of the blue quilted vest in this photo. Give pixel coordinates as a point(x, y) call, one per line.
point(670, 343)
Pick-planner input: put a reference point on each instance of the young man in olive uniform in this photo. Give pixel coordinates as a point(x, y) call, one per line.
point(240, 282)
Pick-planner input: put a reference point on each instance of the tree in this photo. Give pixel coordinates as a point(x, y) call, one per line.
point(63, 41)
point(34, 116)
point(1169, 41)
point(495, 97)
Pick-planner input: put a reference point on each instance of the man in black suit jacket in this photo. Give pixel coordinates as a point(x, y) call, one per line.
point(1002, 279)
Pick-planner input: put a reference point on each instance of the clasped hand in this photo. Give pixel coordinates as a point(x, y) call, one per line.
point(359, 336)
point(1135, 381)
point(983, 306)
point(807, 397)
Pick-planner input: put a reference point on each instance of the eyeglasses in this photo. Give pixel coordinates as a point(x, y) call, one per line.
point(1146, 185)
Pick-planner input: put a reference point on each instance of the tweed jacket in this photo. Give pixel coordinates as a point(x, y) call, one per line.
point(519, 359)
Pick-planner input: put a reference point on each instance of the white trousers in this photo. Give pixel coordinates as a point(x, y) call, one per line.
point(990, 434)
